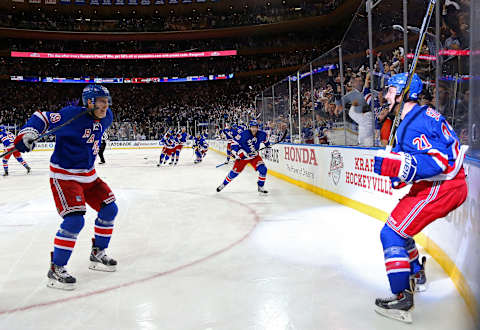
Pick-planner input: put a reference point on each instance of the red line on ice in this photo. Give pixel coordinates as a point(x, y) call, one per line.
point(154, 276)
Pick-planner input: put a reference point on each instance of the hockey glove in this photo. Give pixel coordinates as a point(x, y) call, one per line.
point(397, 184)
point(392, 164)
point(24, 142)
point(253, 154)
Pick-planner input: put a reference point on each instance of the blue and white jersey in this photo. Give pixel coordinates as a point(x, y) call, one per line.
point(228, 133)
point(241, 128)
point(76, 144)
point(168, 141)
point(7, 138)
point(182, 138)
point(425, 134)
point(248, 143)
point(200, 143)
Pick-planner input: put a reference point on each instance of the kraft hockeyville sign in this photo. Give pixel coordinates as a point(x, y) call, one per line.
point(301, 155)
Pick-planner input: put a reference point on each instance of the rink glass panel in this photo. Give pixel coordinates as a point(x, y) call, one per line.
point(326, 90)
point(280, 120)
point(453, 76)
point(474, 97)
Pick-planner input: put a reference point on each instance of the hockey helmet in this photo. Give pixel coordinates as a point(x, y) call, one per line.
point(400, 80)
point(253, 122)
point(91, 92)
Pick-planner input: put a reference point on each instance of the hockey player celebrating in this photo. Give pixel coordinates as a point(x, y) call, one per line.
point(227, 134)
point(245, 148)
point(168, 148)
point(181, 138)
point(73, 179)
point(200, 147)
point(427, 155)
point(7, 139)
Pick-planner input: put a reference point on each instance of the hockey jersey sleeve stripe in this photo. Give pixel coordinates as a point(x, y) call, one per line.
point(439, 158)
point(43, 118)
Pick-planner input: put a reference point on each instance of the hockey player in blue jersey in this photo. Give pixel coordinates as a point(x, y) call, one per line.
point(227, 134)
point(168, 142)
point(245, 148)
point(200, 146)
point(181, 139)
point(74, 181)
point(427, 155)
point(7, 139)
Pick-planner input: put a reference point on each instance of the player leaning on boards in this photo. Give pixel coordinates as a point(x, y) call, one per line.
point(427, 155)
point(245, 146)
point(73, 179)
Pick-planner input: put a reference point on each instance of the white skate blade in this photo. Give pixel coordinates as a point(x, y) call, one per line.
point(61, 286)
point(403, 316)
point(420, 287)
point(101, 267)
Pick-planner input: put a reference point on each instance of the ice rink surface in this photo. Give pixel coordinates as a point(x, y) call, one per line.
point(191, 258)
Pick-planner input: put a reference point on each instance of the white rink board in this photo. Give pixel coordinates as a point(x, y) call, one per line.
point(347, 171)
point(147, 144)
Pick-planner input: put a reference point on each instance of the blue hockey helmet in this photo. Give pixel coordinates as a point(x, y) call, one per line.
point(91, 92)
point(253, 122)
point(400, 80)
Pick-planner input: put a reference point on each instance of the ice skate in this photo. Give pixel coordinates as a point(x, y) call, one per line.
point(100, 261)
point(398, 307)
point(220, 187)
point(420, 277)
point(227, 161)
point(59, 278)
point(102, 162)
point(5, 174)
point(262, 190)
point(28, 169)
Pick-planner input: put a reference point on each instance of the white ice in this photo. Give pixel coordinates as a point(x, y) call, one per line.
point(191, 258)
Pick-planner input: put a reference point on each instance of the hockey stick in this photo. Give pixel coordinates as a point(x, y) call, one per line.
point(49, 132)
point(279, 141)
point(405, 92)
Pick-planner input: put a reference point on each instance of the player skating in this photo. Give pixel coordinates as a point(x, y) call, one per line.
point(7, 139)
point(427, 155)
point(227, 134)
point(73, 179)
point(245, 148)
point(168, 150)
point(200, 147)
point(181, 140)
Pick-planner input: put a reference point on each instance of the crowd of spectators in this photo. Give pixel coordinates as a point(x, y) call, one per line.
point(140, 111)
point(153, 68)
point(285, 51)
point(144, 111)
point(323, 111)
point(284, 40)
point(209, 19)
